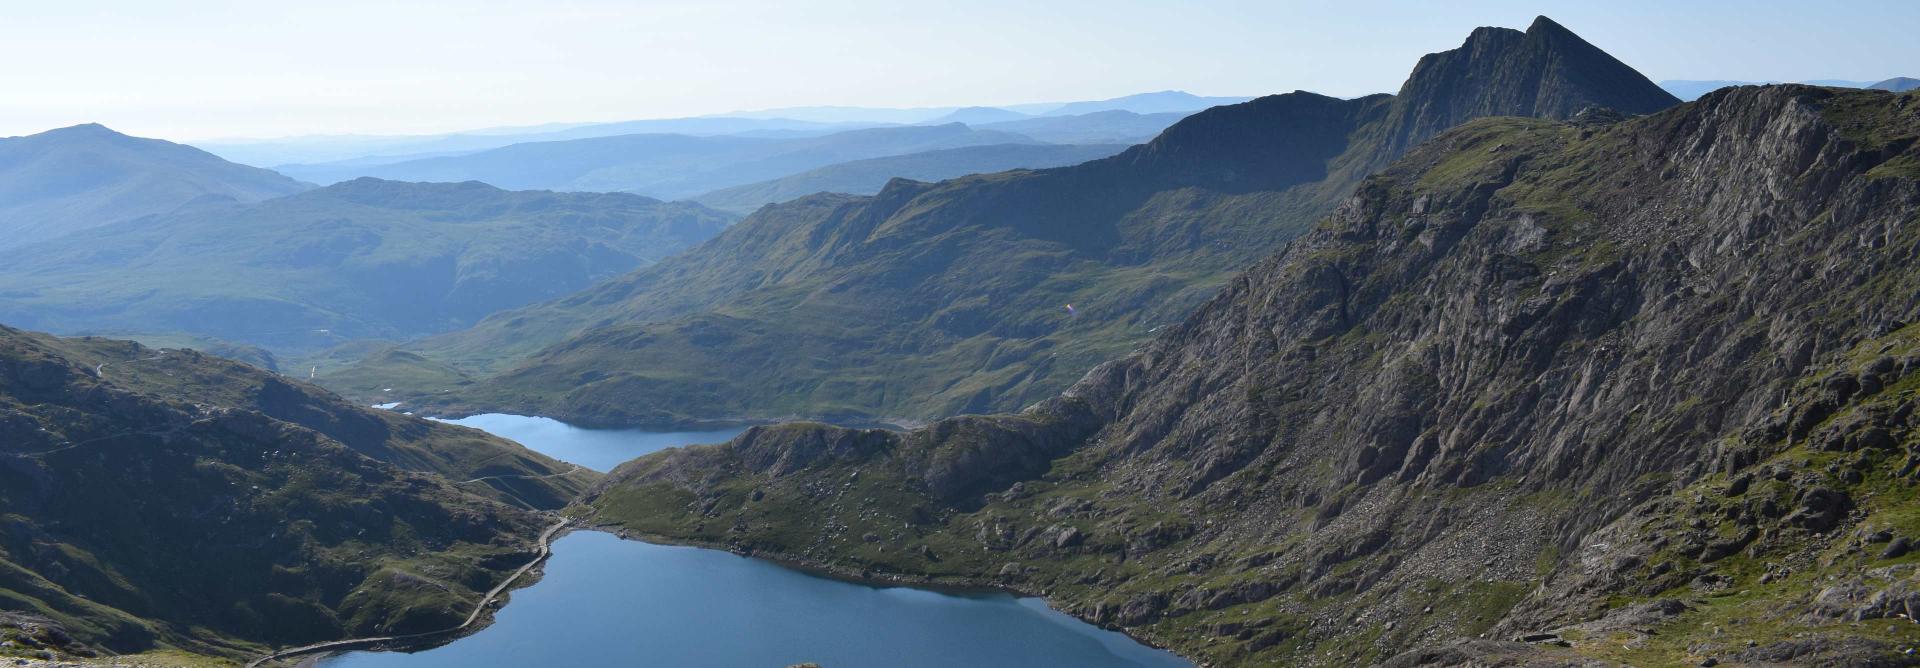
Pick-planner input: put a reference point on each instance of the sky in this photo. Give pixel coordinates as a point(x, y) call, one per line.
point(203, 69)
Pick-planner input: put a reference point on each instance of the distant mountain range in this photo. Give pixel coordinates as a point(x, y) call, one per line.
point(979, 115)
point(1116, 126)
point(361, 259)
point(353, 149)
point(261, 275)
point(1897, 84)
point(1146, 103)
point(866, 177)
point(1141, 103)
point(786, 122)
point(663, 166)
point(986, 292)
point(63, 181)
point(1687, 89)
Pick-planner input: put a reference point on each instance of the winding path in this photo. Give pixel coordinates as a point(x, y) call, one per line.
point(576, 469)
point(546, 549)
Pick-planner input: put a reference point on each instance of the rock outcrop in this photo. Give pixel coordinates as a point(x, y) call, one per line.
point(928, 300)
point(1523, 387)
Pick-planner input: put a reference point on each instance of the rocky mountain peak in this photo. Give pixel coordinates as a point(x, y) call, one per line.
point(1268, 142)
point(1546, 72)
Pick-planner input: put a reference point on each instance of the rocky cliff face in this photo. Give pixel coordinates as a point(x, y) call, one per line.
point(1635, 390)
point(163, 499)
point(1545, 72)
point(934, 299)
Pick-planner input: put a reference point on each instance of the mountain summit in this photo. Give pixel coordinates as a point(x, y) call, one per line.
point(1897, 84)
point(958, 289)
point(1545, 72)
point(70, 179)
point(1600, 392)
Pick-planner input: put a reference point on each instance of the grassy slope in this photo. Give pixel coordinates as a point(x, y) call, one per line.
point(454, 452)
point(66, 180)
point(364, 259)
point(1296, 557)
point(866, 177)
point(180, 504)
point(924, 300)
point(935, 299)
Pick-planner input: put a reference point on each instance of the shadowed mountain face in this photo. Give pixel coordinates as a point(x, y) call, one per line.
point(361, 259)
point(866, 177)
point(1546, 72)
point(664, 166)
point(63, 181)
point(1116, 126)
point(164, 498)
point(1640, 391)
point(993, 291)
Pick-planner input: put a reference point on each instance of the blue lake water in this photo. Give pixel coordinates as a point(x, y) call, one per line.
point(614, 603)
point(597, 449)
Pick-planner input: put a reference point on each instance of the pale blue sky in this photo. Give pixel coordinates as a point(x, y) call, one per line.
point(200, 69)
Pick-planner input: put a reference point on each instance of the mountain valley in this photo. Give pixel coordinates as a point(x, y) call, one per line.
point(1529, 363)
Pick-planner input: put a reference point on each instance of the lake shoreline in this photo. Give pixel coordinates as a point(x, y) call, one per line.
point(585, 519)
point(814, 567)
point(803, 567)
point(460, 411)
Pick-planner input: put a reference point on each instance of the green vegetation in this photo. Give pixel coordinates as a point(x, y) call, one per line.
point(358, 260)
point(927, 300)
point(866, 177)
point(63, 181)
point(1547, 380)
point(1791, 571)
point(164, 500)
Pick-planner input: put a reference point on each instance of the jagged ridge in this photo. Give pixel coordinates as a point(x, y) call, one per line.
point(936, 299)
point(1489, 395)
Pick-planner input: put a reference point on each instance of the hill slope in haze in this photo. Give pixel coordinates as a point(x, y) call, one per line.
point(1116, 126)
point(1160, 102)
point(339, 150)
point(361, 259)
point(1897, 84)
point(991, 291)
point(664, 166)
point(63, 181)
point(154, 499)
point(978, 115)
point(866, 177)
point(1607, 392)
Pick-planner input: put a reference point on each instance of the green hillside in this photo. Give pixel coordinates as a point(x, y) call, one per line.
point(71, 179)
point(362, 259)
point(928, 300)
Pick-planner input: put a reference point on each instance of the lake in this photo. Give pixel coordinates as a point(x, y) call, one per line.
point(610, 602)
point(597, 449)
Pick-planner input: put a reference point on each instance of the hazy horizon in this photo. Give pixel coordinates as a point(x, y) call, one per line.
point(185, 73)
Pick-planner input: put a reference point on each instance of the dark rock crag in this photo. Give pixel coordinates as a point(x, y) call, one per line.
point(1542, 393)
point(957, 289)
